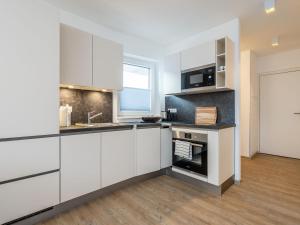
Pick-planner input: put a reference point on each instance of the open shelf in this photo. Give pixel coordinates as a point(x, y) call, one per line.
point(221, 63)
point(221, 46)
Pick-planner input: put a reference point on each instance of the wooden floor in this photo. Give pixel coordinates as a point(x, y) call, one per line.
point(268, 194)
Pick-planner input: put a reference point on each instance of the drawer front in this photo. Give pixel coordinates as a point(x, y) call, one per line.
point(28, 157)
point(24, 197)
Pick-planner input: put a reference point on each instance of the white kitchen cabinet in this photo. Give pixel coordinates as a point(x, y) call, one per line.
point(76, 52)
point(117, 157)
point(80, 165)
point(29, 68)
point(166, 147)
point(24, 197)
point(172, 74)
point(28, 157)
point(220, 159)
point(197, 56)
point(107, 64)
point(148, 150)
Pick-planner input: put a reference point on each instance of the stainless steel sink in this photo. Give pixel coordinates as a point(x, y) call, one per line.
point(96, 124)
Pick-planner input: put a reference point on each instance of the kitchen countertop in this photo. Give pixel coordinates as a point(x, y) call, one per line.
point(140, 125)
point(78, 129)
point(217, 126)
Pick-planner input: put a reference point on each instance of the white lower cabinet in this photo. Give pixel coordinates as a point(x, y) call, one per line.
point(28, 157)
point(166, 147)
point(24, 197)
point(220, 159)
point(118, 156)
point(80, 165)
point(148, 150)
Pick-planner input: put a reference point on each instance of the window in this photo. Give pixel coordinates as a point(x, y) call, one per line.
point(136, 96)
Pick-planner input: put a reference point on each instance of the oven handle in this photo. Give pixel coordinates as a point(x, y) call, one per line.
point(193, 144)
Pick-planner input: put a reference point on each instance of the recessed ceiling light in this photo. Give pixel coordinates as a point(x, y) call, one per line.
point(270, 6)
point(275, 41)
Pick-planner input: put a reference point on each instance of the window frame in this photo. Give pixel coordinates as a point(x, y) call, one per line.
point(141, 63)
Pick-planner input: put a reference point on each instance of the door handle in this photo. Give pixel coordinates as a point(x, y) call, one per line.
point(297, 113)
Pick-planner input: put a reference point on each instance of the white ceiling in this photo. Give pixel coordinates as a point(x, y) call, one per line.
point(169, 21)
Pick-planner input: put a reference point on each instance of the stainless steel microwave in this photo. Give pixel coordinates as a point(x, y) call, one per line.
point(198, 78)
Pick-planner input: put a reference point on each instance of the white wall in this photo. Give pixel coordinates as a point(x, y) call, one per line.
point(249, 104)
point(279, 61)
point(230, 29)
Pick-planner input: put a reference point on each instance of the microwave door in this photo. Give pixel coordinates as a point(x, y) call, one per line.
point(196, 80)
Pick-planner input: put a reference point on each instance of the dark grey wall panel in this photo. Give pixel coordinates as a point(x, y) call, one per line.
point(84, 101)
point(186, 104)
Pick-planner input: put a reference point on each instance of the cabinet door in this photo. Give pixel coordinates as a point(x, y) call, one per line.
point(107, 64)
point(172, 74)
point(166, 147)
point(80, 165)
point(118, 156)
point(197, 56)
point(29, 68)
point(75, 56)
point(24, 197)
point(148, 150)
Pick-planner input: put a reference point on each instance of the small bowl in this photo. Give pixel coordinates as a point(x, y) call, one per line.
point(151, 119)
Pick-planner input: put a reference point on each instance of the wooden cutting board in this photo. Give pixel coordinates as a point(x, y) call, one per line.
point(206, 115)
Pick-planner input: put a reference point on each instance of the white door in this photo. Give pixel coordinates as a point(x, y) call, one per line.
point(80, 165)
point(280, 114)
point(118, 156)
point(148, 150)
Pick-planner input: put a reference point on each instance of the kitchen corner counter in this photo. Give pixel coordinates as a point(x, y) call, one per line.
point(217, 126)
point(76, 129)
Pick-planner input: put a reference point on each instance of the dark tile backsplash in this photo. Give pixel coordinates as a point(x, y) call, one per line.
point(84, 101)
point(186, 104)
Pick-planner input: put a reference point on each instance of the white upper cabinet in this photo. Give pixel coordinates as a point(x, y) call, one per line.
point(118, 156)
point(148, 150)
point(29, 68)
point(76, 51)
point(107, 64)
point(172, 74)
point(197, 56)
point(91, 61)
point(80, 165)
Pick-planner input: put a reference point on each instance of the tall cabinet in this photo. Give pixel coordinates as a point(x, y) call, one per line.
point(29, 68)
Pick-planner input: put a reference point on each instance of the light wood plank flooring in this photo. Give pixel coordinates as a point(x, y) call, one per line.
point(268, 194)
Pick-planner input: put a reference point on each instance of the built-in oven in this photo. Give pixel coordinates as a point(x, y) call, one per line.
point(190, 151)
point(198, 78)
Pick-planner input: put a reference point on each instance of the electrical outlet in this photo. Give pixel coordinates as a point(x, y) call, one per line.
point(173, 110)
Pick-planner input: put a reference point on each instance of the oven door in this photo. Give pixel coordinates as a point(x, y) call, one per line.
point(198, 163)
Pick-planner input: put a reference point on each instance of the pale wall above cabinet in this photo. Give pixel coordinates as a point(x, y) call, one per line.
point(90, 61)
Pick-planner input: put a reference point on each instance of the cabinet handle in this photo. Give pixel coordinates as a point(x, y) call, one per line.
point(297, 113)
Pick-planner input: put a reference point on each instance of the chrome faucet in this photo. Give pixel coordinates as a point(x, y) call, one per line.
point(91, 116)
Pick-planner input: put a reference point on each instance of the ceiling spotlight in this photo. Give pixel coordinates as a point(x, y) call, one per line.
point(275, 41)
point(270, 6)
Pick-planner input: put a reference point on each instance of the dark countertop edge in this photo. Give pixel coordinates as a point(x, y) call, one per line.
point(94, 130)
point(208, 127)
point(147, 125)
point(28, 137)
